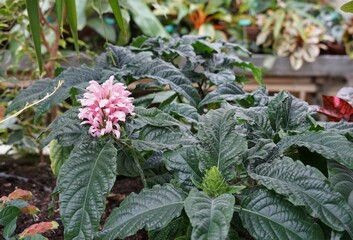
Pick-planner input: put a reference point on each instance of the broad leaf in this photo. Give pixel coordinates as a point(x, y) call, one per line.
point(171, 231)
point(58, 156)
point(219, 138)
point(330, 145)
point(66, 129)
point(287, 113)
point(156, 117)
point(184, 164)
point(267, 216)
point(7, 214)
point(209, 217)
point(159, 139)
point(9, 229)
point(347, 7)
point(151, 209)
point(34, 92)
point(342, 180)
point(84, 182)
point(306, 186)
point(226, 91)
point(182, 110)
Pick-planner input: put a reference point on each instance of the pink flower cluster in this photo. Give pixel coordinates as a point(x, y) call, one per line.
point(104, 106)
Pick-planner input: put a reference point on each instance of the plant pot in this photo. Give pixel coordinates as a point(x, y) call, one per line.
point(252, 32)
point(336, 48)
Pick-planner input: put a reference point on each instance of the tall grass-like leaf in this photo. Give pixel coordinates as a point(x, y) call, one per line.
point(330, 145)
point(267, 216)
point(34, 23)
point(151, 209)
point(71, 14)
point(209, 217)
point(84, 182)
point(306, 186)
point(59, 5)
point(114, 4)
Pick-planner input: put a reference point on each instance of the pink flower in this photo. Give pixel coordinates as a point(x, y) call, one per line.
point(104, 106)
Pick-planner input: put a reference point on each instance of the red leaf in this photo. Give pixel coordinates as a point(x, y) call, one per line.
point(20, 194)
point(39, 228)
point(336, 109)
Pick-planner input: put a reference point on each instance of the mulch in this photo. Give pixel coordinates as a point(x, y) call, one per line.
point(39, 179)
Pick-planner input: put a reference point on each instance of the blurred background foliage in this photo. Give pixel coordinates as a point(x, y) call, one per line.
point(300, 30)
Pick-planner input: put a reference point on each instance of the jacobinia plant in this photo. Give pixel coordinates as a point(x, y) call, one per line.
point(215, 162)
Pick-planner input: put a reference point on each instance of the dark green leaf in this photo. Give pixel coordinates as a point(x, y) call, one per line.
point(66, 129)
point(330, 145)
point(267, 216)
point(151, 209)
point(184, 164)
point(341, 179)
point(219, 138)
point(159, 139)
point(209, 217)
point(59, 6)
point(306, 186)
point(182, 110)
point(84, 182)
point(226, 91)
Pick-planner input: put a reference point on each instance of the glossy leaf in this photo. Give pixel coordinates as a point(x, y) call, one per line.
point(287, 113)
point(330, 145)
point(209, 217)
point(84, 182)
point(150, 209)
point(34, 23)
point(58, 156)
point(306, 186)
point(226, 91)
point(267, 216)
point(341, 179)
point(222, 143)
point(161, 139)
point(66, 129)
point(336, 109)
point(184, 164)
point(182, 110)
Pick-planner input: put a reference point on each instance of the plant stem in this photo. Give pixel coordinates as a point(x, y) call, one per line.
point(139, 167)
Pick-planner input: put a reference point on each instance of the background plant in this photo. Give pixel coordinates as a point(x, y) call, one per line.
point(209, 148)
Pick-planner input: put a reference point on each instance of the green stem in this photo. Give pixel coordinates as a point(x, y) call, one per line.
point(138, 165)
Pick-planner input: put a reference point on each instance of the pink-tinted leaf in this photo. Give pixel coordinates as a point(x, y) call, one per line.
point(30, 209)
point(39, 228)
point(20, 194)
point(336, 109)
point(4, 199)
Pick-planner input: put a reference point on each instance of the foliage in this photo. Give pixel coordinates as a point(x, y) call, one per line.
point(11, 207)
point(336, 109)
point(225, 160)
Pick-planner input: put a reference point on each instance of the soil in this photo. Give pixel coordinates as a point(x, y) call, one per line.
point(39, 179)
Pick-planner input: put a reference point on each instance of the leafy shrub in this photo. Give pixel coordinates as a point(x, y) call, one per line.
point(216, 162)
